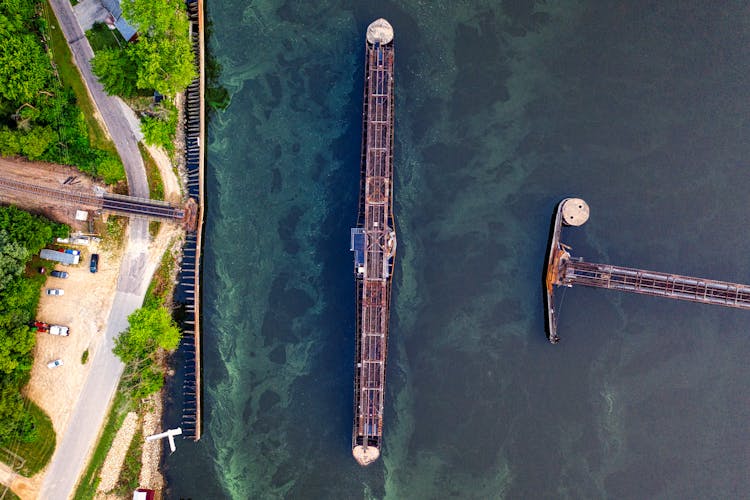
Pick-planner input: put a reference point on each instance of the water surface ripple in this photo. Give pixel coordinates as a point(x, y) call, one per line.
point(502, 109)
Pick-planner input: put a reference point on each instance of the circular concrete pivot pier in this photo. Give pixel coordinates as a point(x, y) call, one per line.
point(365, 456)
point(380, 31)
point(575, 212)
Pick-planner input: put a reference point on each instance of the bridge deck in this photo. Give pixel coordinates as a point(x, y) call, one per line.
point(564, 270)
point(378, 248)
point(655, 283)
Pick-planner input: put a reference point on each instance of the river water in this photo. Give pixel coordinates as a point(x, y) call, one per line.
point(503, 108)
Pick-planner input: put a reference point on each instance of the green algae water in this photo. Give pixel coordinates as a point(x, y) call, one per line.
point(503, 108)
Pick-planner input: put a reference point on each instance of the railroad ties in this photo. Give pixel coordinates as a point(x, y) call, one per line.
point(565, 270)
point(106, 202)
point(129, 205)
point(189, 275)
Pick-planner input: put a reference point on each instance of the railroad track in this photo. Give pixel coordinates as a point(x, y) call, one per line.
point(136, 206)
point(89, 200)
point(114, 203)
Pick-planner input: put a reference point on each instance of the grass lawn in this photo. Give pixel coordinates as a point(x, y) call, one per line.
point(9, 495)
point(38, 453)
point(155, 183)
point(71, 78)
point(86, 489)
point(101, 37)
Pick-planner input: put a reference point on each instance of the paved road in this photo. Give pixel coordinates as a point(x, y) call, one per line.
point(91, 407)
point(109, 107)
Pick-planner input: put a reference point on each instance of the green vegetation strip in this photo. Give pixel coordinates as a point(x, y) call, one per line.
point(90, 480)
point(36, 454)
point(155, 182)
point(150, 329)
point(71, 78)
point(131, 467)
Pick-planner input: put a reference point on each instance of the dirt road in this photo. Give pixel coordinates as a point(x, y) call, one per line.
point(47, 175)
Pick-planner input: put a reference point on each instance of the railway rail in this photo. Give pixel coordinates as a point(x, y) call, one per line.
point(107, 202)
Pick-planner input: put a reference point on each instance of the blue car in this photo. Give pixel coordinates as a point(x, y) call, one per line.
point(59, 274)
point(94, 264)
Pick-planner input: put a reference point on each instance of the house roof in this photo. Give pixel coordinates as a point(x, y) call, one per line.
point(62, 257)
point(113, 6)
point(125, 29)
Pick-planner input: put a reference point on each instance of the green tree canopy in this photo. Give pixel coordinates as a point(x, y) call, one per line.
point(13, 257)
point(16, 421)
point(116, 70)
point(21, 236)
point(162, 57)
point(24, 68)
point(150, 328)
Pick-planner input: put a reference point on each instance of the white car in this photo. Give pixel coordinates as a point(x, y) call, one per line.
point(55, 291)
point(59, 330)
point(55, 363)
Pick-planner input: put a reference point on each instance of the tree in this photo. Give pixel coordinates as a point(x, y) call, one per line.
point(160, 130)
point(24, 68)
point(17, 422)
point(163, 53)
point(116, 70)
point(13, 257)
point(110, 169)
point(150, 328)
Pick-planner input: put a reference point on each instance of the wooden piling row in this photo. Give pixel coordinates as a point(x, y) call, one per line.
point(189, 276)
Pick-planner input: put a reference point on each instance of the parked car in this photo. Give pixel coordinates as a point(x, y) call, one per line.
point(94, 264)
point(62, 331)
point(55, 291)
point(55, 363)
point(59, 274)
point(41, 327)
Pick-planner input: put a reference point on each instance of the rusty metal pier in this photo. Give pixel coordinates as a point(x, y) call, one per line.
point(565, 270)
point(373, 242)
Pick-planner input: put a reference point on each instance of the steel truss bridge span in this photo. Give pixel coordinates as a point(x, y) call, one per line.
point(562, 269)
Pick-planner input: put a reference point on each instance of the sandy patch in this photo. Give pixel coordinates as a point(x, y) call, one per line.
point(84, 309)
point(172, 192)
point(150, 475)
point(116, 455)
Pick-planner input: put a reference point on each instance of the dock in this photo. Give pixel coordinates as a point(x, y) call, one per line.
point(373, 242)
point(562, 269)
point(188, 278)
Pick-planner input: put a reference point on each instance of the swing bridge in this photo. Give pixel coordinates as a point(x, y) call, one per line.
point(562, 269)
